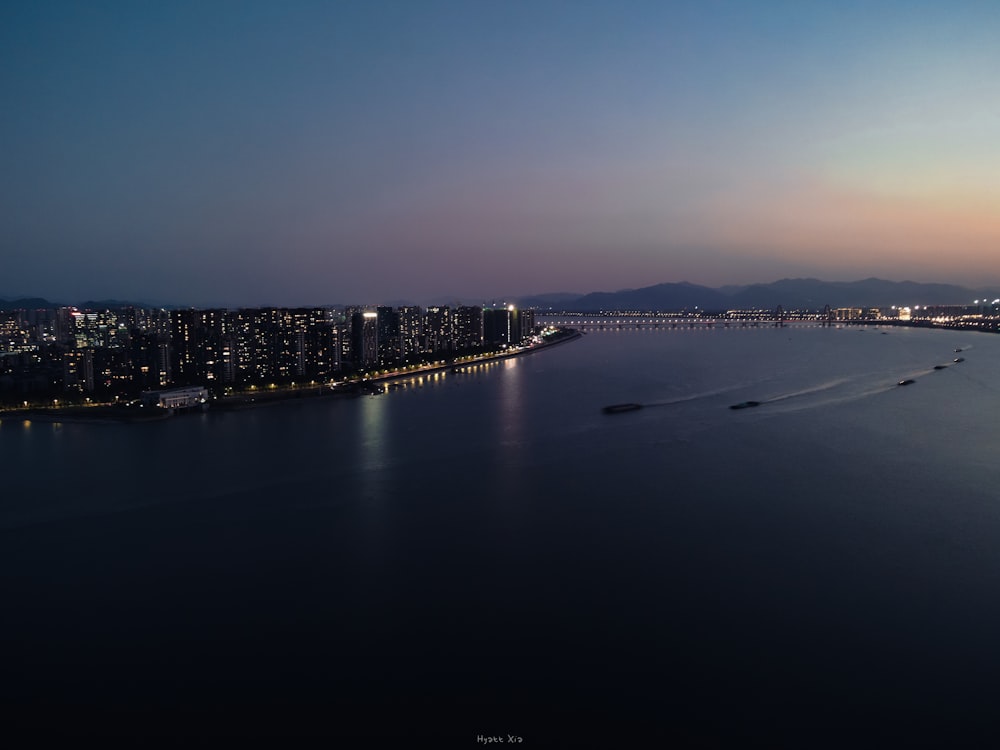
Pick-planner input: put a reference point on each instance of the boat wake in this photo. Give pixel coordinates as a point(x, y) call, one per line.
point(837, 391)
point(699, 396)
point(828, 385)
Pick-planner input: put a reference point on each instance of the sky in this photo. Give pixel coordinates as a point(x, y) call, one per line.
point(249, 153)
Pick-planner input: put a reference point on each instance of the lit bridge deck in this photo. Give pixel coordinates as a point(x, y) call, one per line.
point(628, 323)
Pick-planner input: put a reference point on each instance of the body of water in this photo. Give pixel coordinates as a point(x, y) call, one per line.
point(486, 553)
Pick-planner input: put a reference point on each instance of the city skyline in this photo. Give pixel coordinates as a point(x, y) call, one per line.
point(53, 356)
point(50, 355)
point(247, 154)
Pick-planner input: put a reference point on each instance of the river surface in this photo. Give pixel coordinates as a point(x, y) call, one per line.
point(486, 553)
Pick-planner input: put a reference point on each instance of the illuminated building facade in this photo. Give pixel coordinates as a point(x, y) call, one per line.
point(468, 327)
point(132, 350)
point(364, 332)
point(502, 326)
point(438, 333)
point(411, 331)
point(389, 346)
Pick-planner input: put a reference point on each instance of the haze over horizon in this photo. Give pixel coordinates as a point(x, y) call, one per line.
point(798, 286)
point(249, 153)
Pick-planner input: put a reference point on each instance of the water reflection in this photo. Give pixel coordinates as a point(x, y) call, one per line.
point(372, 433)
point(510, 417)
point(511, 403)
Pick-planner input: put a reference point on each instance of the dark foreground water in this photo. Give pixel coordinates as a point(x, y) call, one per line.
point(486, 553)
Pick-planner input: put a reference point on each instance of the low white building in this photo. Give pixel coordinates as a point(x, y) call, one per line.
point(176, 398)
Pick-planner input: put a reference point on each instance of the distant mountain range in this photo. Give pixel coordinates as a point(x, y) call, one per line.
point(39, 303)
point(26, 303)
point(792, 294)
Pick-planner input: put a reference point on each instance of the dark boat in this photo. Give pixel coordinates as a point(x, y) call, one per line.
point(940, 367)
point(745, 404)
point(959, 359)
point(908, 381)
point(959, 349)
point(620, 408)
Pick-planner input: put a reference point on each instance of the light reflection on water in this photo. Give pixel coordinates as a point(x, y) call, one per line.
point(372, 438)
point(511, 405)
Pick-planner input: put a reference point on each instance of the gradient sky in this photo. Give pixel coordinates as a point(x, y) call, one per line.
point(242, 153)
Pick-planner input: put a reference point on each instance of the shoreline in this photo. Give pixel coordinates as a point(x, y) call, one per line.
point(84, 415)
point(121, 414)
point(363, 386)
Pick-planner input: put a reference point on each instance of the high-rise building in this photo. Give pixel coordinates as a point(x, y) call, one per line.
point(411, 331)
point(438, 333)
point(149, 359)
point(468, 327)
point(197, 340)
point(527, 325)
point(12, 335)
point(364, 334)
point(78, 370)
point(501, 326)
point(389, 349)
point(98, 329)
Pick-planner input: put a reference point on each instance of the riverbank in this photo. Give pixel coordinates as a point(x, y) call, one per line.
point(368, 385)
point(371, 384)
point(98, 414)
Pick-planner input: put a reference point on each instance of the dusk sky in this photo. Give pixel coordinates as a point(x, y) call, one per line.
point(243, 153)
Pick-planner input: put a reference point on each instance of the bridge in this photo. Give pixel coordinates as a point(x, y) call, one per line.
point(628, 324)
point(734, 319)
